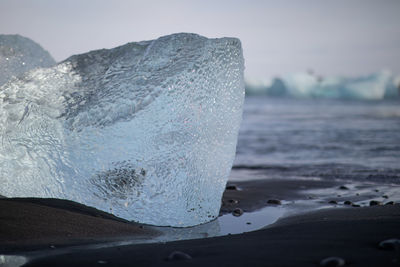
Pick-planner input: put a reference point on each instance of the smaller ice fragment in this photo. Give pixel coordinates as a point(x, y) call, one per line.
point(19, 54)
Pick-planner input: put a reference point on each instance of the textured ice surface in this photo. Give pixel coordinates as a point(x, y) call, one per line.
point(146, 130)
point(376, 86)
point(19, 54)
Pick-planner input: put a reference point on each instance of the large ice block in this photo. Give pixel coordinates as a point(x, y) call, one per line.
point(19, 54)
point(146, 130)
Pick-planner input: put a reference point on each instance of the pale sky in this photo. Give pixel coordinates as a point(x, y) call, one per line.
point(332, 37)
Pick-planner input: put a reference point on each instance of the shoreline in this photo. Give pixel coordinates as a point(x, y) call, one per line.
point(303, 240)
point(51, 231)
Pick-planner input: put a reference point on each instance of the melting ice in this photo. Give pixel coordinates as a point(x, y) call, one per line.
point(19, 54)
point(146, 130)
point(376, 86)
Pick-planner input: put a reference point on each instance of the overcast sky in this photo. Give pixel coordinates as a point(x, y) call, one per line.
point(340, 37)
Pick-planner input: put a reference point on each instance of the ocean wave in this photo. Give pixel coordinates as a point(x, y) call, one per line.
point(329, 171)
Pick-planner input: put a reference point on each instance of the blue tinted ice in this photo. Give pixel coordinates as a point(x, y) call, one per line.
point(19, 54)
point(146, 130)
point(376, 86)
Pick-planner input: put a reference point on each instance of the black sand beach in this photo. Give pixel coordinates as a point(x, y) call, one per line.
point(299, 241)
point(34, 223)
point(51, 232)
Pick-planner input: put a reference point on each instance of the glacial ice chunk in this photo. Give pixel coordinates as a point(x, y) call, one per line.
point(370, 87)
point(146, 130)
point(19, 54)
point(375, 86)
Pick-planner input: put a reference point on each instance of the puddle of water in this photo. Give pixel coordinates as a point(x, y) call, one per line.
point(249, 221)
point(223, 225)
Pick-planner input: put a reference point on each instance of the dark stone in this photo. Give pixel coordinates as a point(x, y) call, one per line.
point(237, 212)
point(231, 187)
point(390, 244)
point(385, 196)
point(389, 203)
point(233, 201)
point(332, 262)
point(343, 187)
point(356, 205)
point(375, 203)
point(333, 202)
point(347, 202)
point(178, 255)
point(274, 201)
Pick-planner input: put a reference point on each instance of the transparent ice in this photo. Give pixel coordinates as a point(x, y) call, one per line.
point(146, 130)
point(19, 54)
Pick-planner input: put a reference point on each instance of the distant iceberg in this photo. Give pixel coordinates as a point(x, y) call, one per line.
point(19, 54)
point(380, 85)
point(147, 130)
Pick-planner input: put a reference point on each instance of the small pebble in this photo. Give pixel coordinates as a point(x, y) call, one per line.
point(274, 201)
point(52, 246)
point(101, 262)
point(248, 223)
point(237, 212)
point(376, 190)
point(389, 203)
point(375, 203)
point(332, 262)
point(357, 194)
point(385, 196)
point(356, 205)
point(390, 244)
point(233, 201)
point(347, 202)
point(231, 187)
point(333, 202)
point(178, 255)
point(343, 187)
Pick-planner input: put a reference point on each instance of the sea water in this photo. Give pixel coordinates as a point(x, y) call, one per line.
point(332, 139)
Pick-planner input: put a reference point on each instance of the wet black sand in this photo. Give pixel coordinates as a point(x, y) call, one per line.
point(351, 233)
point(253, 195)
point(302, 241)
point(34, 223)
